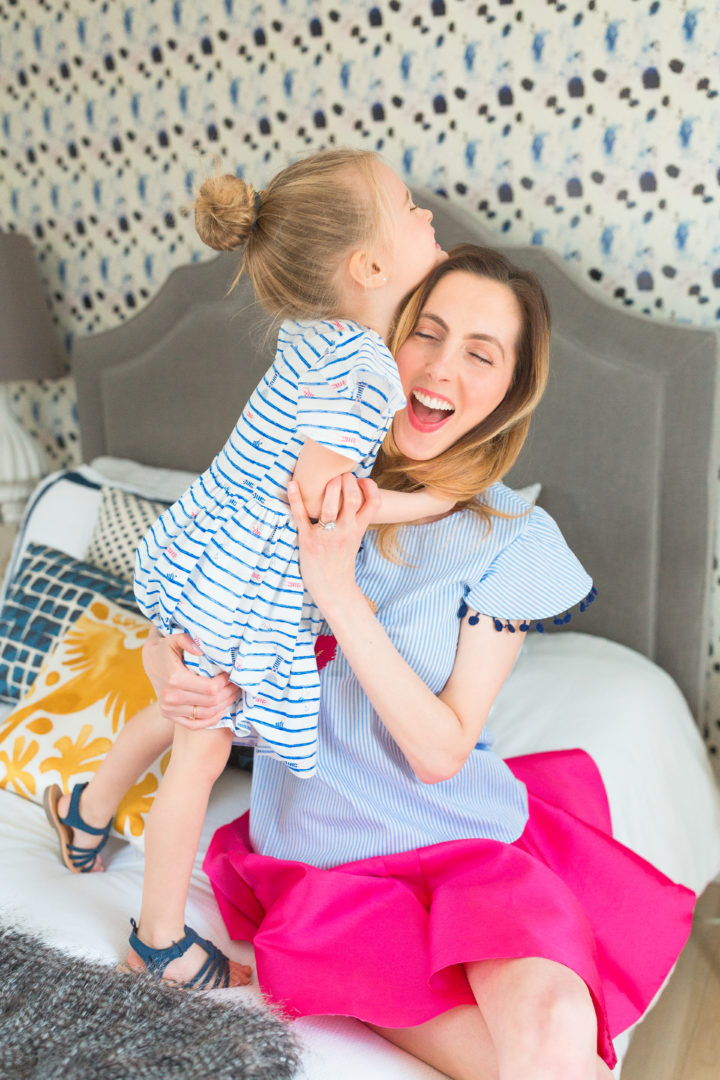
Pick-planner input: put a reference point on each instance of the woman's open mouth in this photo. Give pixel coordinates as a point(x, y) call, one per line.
point(428, 412)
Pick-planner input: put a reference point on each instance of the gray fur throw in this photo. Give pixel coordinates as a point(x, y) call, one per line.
point(67, 1018)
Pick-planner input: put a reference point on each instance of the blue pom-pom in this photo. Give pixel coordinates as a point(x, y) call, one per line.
point(474, 620)
point(497, 624)
point(462, 610)
point(540, 628)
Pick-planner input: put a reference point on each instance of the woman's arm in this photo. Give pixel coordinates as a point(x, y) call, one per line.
point(435, 732)
point(185, 698)
point(317, 465)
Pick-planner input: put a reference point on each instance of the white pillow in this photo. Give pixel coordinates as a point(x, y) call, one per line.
point(63, 509)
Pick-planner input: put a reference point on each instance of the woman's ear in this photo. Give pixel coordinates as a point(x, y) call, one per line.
point(366, 270)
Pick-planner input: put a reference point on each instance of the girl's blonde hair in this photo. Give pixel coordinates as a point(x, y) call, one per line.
point(296, 231)
point(486, 453)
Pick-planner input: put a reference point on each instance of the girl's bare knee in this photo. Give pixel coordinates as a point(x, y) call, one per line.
point(205, 752)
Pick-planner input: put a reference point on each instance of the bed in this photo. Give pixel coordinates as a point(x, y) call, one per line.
point(625, 448)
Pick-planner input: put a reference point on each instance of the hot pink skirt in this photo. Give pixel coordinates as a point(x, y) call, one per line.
point(385, 939)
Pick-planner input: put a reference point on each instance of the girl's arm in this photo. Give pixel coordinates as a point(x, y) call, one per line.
point(436, 733)
point(317, 466)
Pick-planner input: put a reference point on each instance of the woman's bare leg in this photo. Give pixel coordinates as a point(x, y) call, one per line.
point(456, 1043)
point(172, 835)
point(540, 1017)
point(139, 743)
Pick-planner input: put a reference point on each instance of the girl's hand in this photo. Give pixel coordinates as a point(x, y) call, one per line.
point(191, 700)
point(327, 556)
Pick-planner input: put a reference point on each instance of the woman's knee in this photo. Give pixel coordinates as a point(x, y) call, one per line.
point(540, 1011)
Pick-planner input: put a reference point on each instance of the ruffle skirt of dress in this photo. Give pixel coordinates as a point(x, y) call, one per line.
point(224, 568)
point(384, 939)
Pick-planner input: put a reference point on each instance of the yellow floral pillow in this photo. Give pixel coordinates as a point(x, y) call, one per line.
point(90, 684)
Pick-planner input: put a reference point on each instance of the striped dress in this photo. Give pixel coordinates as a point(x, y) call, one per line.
point(222, 563)
point(365, 800)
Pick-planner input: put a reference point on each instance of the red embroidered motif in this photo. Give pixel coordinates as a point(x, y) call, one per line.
point(325, 649)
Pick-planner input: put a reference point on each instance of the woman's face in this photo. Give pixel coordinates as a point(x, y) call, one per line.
point(457, 364)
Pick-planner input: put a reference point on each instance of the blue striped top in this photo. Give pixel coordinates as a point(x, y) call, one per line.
point(364, 799)
point(222, 563)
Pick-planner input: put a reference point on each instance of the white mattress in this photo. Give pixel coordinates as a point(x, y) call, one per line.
point(566, 690)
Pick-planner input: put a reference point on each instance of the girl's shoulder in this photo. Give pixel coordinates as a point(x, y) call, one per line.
point(325, 337)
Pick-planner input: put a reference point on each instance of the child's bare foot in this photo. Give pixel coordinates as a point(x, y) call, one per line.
point(79, 847)
point(179, 961)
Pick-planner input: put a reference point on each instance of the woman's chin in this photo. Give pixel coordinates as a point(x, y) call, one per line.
point(419, 441)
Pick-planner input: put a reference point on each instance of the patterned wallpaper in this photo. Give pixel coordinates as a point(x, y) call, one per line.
point(590, 126)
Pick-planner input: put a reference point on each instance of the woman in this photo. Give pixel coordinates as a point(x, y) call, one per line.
point(467, 910)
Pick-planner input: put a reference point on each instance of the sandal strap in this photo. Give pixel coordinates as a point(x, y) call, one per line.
point(213, 975)
point(83, 857)
point(74, 819)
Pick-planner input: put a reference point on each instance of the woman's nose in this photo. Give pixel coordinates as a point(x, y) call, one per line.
point(440, 364)
point(429, 215)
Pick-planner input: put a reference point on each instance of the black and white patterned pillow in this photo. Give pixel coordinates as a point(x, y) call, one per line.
point(48, 593)
point(122, 522)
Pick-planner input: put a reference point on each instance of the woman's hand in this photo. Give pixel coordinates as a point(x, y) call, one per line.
point(191, 700)
point(327, 556)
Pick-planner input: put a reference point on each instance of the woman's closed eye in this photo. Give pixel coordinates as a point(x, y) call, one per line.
point(483, 359)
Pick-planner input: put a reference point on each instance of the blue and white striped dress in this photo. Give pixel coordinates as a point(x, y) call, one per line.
point(364, 799)
point(222, 563)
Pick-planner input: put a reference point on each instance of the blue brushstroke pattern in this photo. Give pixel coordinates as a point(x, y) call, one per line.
point(405, 65)
point(681, 235)
point(689, 25)
point(469, 57)
point(345, 76)
point(407, 160)
point(609, 140)
point(611, 35)
point(538, 44)
point(685, 132)
point(537, 146)
point(606, 240)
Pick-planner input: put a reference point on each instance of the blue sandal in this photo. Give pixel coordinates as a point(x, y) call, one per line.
point(79, 860)
point(213, 975)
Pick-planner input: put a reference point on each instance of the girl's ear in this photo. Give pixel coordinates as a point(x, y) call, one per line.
point(366, 270)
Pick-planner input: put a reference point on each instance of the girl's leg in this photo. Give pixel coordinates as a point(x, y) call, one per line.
point(139, 743)
point(456, 1043)
point(540, 1017)
point(172, 835)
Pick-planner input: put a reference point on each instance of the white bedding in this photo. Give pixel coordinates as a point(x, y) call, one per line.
point(566, 690)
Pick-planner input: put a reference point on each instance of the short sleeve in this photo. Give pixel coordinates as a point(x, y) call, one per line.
point(535, 577)
point(348, 406)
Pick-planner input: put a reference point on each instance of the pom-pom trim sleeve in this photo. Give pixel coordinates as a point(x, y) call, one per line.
point(533, 582)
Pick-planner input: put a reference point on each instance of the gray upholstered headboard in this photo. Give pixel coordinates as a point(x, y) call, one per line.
point(625, 442)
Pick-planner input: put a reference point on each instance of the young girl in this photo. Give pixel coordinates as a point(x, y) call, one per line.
point(332, 245)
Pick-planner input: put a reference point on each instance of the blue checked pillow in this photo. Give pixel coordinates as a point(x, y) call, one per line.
point(48, 593)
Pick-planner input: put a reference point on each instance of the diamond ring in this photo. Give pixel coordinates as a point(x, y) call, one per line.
point(328, 526)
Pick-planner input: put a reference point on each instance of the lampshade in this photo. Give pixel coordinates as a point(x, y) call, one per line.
point(29, 345)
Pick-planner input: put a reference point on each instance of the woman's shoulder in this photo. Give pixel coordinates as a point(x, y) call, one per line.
point(518, 503)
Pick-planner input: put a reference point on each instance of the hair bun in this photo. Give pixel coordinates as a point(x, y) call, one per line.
point(225, 212)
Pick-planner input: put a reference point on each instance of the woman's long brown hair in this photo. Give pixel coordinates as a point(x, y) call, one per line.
point(486, 453)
